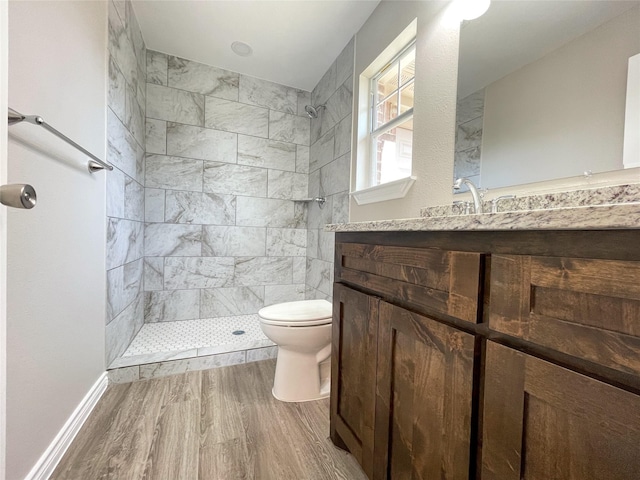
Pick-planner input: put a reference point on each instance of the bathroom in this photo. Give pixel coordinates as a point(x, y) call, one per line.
point(222, 226)
point(217, 234)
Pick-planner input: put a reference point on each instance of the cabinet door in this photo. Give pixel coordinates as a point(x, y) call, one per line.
point(353, 374)
point(424, 398)
point(543, 422)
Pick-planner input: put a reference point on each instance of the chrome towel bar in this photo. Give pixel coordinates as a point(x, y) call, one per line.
point(94, 165)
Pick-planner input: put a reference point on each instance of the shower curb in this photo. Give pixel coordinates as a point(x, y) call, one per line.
point(173, 367)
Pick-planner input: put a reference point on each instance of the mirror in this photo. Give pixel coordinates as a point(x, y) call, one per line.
point(542, 87)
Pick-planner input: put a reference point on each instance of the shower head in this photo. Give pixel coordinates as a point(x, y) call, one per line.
point(313, 111)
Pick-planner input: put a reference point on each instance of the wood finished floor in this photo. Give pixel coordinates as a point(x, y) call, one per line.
point(220, 424)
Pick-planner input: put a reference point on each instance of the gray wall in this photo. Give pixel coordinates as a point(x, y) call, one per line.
point(226, 156)
point(329, 168)
point(125, 184)
point(56, 251)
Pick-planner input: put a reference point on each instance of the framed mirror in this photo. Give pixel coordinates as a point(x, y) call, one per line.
point(542, 89)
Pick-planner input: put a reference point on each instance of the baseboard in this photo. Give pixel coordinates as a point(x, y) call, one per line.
point(52, 456)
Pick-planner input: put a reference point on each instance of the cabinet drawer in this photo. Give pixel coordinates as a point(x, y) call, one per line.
point(440, 281)
point(586, 308)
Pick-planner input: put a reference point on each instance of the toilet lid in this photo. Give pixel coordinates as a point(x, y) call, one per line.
point(303, 313)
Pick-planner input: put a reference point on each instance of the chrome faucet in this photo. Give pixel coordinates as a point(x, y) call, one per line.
point(463, 207)
point(477, 202)
point(496, 201)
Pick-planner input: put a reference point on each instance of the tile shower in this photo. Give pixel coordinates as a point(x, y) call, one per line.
point(204, 229)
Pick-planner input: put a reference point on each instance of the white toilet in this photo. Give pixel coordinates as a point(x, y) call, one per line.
point(302, 331)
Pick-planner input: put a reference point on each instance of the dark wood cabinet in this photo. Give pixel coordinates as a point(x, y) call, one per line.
point(488, 355)
point(440, 281)
point(424, 398)
point(542, 422)
point(587, 308)
point(353, 380)
point(402, 381)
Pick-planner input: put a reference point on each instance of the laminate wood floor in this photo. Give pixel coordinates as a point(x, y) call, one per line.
point(220, 424)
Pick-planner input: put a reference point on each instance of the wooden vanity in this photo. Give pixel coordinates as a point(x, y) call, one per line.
point(499, 355)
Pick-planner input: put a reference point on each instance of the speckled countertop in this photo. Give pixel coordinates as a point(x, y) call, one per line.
point(603, 208)
point(589, 197)
point(600, 217)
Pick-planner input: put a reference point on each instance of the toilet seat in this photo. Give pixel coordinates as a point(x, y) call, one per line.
point(310, 323)
point(303, 313)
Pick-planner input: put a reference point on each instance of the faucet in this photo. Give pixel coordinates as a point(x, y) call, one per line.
point(464, 207)
point(477, 202)
point(495, 201)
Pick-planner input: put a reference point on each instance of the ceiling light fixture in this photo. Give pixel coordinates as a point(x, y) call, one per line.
point(471, 9)
point(242, 49)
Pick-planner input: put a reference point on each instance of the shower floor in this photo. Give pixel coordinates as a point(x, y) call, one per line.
point(162, 341)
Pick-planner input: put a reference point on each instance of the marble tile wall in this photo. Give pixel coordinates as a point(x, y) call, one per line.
point(468, 147)
point(329, 170)
point(226, 156)
point(125, 184)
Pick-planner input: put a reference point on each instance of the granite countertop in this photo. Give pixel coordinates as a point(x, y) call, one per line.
point(600, 217)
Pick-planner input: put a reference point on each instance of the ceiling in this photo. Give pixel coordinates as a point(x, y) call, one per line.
point(515, 33)
point(294, 42)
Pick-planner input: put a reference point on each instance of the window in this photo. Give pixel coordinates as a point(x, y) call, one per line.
point(391, 111)
point(384, 122)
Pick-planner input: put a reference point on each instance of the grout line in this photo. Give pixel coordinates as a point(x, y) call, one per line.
point(261, 107)
point(152, 154)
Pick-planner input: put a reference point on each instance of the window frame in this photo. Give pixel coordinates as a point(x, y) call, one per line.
point(373, 131)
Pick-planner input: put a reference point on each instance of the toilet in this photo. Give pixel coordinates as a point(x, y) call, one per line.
point(302, 332)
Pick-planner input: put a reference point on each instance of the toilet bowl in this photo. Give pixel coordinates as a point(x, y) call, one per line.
point(302, 332)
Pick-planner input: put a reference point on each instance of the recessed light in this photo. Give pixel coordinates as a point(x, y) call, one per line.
point(242, 49)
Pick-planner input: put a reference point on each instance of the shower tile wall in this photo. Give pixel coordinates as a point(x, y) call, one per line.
point(125, 184)
point(329, 170)
point(226, 155)
point(469, 119)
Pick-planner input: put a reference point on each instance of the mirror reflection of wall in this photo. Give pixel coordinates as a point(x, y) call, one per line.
point(542, 89)
point(469, 120)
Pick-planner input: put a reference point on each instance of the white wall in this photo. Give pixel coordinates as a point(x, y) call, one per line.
point(434, 103)
point(56, 252)
point(563, 114)
point(4, 66)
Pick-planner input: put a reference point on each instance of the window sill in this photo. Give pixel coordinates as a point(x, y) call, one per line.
point(386, 191)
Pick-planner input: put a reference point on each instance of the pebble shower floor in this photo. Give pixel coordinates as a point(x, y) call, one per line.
point(189, 334)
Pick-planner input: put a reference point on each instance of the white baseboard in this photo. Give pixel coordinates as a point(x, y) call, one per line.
point(52, 456)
